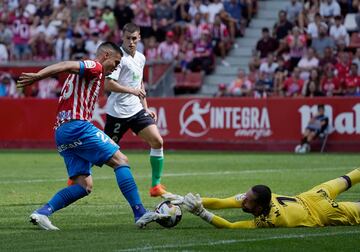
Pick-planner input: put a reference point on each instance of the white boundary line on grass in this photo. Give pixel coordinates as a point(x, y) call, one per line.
point(212, 243)
point(185, 174)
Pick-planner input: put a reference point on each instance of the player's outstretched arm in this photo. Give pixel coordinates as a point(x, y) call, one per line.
point(26, 79)
point(113, 86)
point(222, 223)
point(216, 203)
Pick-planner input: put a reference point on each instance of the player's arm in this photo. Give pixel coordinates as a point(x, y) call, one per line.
point(26, 79)
point(222, 223)
point(144, 104)
point(216, 203)
point(113, 86)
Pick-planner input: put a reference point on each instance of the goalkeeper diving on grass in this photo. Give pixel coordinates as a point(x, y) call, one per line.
point(315, 208)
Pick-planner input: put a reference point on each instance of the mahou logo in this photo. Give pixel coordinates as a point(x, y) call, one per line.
point(197, 118)
point(343, 123)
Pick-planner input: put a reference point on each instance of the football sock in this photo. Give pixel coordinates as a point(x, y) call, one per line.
point(128, 187)
point(157, 165)
point(354, 176)
point(63, 198)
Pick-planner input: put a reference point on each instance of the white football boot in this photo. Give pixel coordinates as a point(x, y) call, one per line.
point(148, 217)
point(42, 221)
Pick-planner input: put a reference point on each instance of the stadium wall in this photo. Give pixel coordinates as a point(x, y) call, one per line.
point(273, 124)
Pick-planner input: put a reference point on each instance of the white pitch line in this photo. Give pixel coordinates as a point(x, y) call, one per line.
point(185, 174)
point(212, 243)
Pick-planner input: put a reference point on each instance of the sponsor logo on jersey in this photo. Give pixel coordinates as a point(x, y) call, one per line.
point(89, 64)
point(197, 119)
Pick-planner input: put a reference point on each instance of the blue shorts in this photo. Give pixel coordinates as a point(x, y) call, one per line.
point(82, 145)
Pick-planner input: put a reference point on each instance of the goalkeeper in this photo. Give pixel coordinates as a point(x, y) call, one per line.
point(314, 208)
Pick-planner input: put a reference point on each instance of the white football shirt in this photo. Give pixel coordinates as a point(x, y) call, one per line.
point(128, 73)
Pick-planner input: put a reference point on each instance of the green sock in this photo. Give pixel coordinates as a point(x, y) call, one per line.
point(157, 165)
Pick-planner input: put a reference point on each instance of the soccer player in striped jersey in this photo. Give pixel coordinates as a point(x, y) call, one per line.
point(79, 142)
point(315, 208)
point(127, 107)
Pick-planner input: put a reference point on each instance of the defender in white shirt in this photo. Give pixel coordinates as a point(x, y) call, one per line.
point(127, 108)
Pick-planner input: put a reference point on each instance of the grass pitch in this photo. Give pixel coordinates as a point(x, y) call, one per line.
point(103, 221)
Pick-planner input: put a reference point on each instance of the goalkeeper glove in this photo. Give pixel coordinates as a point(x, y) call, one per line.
point(193, 205)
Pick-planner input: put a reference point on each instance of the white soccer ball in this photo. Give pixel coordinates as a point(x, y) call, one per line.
point(298, 148)
point(174, 211)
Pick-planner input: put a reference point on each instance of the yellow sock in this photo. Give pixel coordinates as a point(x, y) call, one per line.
point(354, 176)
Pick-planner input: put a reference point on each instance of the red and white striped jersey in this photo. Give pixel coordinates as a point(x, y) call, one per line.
point(80, 92)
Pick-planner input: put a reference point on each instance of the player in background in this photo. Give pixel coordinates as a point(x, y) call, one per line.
point(79, 142)
point(314, 208)
point(127, 107)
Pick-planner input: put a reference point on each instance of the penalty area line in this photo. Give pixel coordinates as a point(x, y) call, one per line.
point(234, 241)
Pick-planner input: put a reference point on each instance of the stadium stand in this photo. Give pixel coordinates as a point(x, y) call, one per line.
point(209, 41)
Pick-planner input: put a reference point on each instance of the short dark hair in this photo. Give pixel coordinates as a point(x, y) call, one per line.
point(321, 106)
point(265, 29)
point(110, 46)
point(263, 197)
point(131, 27)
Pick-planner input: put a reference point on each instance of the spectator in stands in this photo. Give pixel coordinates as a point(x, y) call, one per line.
point(92, 44)
point(281, 74)
point(356, 59)
point(329, 9)
point(5, 34)
point(311, 86)
point(352, 81)
point(151, 52)
point(241, 86)
point(98, 25)
point(48, 88)
point(197, 6)
point(282, 27)
point(142, 17)
point(196, 28)
point(21, 35)
point(214, 7)
point(220, 39)
point(267, 70)
point(123, 13)
point(357, 19)
point(263, 87)
point(8, 87)
point(293, 85)
point(323, 41)
point(186, 55)
point(168, 50)
point(61, 14)
point(62, 46)
point(338, 32)
point(314, 27)
point(164, 18)
point(316, 126)
point(78, 51)
point(82, 27)
point(44, 9)
point(342, 67)
point(4, 55)
point(327, 58)
point(203, 58)
point(222, 90)
point(293, 9)
point(330, 84)
point(297, 44)
point(50, 31)
point(235, 8)
point(266, 44)
point(307, 63)
point(109, 18)
point(79, 10)
point(182, 16)
point(42, 48)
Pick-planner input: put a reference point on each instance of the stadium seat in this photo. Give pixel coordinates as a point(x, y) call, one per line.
point(188, 81)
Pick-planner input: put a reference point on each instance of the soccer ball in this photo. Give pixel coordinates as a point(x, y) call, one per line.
point(174, 211)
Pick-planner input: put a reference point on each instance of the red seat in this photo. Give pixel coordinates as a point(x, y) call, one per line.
point(188, 81)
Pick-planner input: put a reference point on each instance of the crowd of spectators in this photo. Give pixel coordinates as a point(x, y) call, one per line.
point(307, 53)
point(190, 32)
